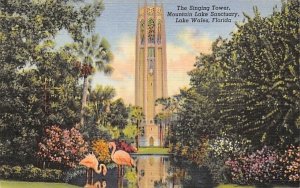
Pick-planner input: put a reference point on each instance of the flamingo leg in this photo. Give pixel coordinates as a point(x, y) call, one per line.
point(87, 175)
point(92, 176)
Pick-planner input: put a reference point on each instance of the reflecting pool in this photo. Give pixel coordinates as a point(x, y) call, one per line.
point(151, 171)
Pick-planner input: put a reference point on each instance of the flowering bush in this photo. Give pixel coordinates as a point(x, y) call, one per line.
point(219, 150)
point(255, 167)
point(265, 165)
point(291, 161)
point(100, 148)
point(65, 147)
point(221, 146)
point(122, 145)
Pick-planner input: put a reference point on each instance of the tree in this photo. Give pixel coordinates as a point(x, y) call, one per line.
point(99, 103)
point(93, 55)
point(100, 100)
point(136, 117)
point(27, 29)
point(118, 114)
point(160, 119)
point(260, 94)
point(195, 107)
point(169, 107)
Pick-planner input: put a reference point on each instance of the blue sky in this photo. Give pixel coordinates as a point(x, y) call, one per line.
point(184, 40)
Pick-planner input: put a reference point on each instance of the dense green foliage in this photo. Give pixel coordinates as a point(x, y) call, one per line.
point(99, 102)
point(105, 116)
point(91, 54)
point(243, 96)
point(119, 114)
point(261, 92)
point(30, 173)
point(136, 116)
point(38, 84)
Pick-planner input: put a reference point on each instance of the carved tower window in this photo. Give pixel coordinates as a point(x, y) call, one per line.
point(142, 32)
point(151, 31)
point(159, 32)
point(151, 60)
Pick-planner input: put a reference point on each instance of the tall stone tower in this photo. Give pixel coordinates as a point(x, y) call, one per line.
point(150, 70)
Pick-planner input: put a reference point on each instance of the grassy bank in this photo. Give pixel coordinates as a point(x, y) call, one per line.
point(153, 150)
point(233, 186)
point(249, 186)
point(23, 184)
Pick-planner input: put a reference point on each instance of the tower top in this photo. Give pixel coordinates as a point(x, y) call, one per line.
point(151, 2)
point(151, 9)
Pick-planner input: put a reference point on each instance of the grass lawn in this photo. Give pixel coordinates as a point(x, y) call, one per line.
point(248, 186)
point(153, 150)
point(23, 184)
point(233, 186)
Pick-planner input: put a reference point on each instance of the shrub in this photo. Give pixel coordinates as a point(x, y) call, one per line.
point(219, 150)
point(51, 175)
point(256, 167)
point(5, 171)
point(30, 173)
point(17, 171)
point(73, 173)
point(266, 166)
point(65, 147)
point(227, 146)
point(291, 161)
point(100, 148)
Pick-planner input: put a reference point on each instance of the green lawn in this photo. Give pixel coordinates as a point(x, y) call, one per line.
point(233, 186)
point(248, 186)
point(153, 150)
point(23, 184)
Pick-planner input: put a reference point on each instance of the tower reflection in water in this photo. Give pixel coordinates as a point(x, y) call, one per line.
point(153, 171)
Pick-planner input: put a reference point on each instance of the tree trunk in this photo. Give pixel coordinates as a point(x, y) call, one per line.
point(83, 101)
point(169, 128)
point(137, 135)
point(160, 139)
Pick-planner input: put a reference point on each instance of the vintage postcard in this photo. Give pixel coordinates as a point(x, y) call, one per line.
point(149, 93)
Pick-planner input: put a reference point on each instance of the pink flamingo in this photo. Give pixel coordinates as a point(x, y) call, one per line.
point(120, 157)
point(91, 162)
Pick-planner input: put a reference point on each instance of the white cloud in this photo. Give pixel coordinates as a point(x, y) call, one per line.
point(181, 56)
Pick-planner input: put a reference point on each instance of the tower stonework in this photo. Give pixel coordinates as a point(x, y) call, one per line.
point(150, 70)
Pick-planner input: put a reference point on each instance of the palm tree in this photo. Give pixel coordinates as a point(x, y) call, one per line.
point(160, 119)
point(169, 108)
point(93, 55)
point(100, 100)
point(137, 115)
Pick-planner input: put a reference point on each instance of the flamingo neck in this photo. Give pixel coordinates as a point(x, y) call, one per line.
point(113, 151)
point(103, 168)
point(98, 169)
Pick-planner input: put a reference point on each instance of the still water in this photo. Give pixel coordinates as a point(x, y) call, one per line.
point(152, 171)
